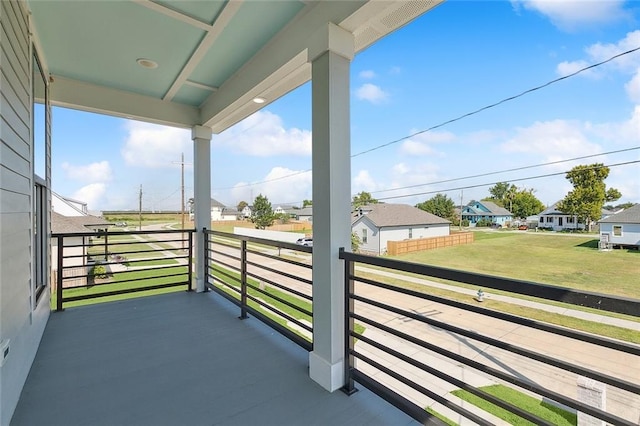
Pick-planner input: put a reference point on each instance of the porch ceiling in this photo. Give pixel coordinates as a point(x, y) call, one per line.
point(214, 57)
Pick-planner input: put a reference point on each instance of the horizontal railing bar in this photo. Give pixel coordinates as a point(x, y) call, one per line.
point(111, 233)
point(279, 312)
point(225, 244)
point(132, 280)
point(543, 291)
point(223, 293)
point(279, 272)
point(280, 286)
point(226, 284)
point(456, 382)
point(224, 254)
point(123, 291)
point(304, 343)
point(574, 334)
point(281, 300)
point(232, 267)
point(416, 386)
point(416, 412)
point(262, 241)
point(152, 268)
point(228, 275)
point(622, 384)
point(280, 259)
point(530, 386)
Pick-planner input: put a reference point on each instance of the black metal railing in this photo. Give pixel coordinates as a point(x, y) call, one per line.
point(270, 280)
point(418, 346)
point(104, 265)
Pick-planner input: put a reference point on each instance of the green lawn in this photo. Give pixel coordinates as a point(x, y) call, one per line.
point(544, 410)
point(556, 259)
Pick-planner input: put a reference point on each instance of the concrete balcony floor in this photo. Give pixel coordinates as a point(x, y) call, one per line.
point(180, 359)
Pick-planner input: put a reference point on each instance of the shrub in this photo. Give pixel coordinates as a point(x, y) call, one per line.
point(483, 222)
point(99, 271)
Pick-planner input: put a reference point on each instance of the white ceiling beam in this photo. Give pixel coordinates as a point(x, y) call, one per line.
point(213, 33)
point(102, 100)
point(174, 14)
point(275, 61)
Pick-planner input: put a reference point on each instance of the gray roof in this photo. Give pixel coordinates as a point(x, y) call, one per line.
point(76, 224)
point(216, 203)
point(495, 209)
point(630, 215)
point(305, 211)
point(384, 215)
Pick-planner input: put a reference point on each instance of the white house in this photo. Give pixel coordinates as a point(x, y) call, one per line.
point(68, 206)
point(623, 228)
point(246, 212)
point(558, 220)
point(304, 214)
point(376, 224)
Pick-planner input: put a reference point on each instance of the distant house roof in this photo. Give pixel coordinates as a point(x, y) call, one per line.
point(385, 215)
point(493, 209)
point(630, 215)
point(552, 210)
point(305, 211)
point(75, 224)
point(216, 203)
point(230, 211)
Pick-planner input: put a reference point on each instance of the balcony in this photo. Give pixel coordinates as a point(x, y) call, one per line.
point(186, 358)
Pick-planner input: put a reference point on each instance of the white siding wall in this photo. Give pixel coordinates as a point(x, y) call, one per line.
point(373, 236)
point(21, 321)
point(630, 233)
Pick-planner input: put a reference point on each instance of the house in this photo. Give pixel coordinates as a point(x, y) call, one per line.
point(68, 206)
point(376, 224)
point(246, 211)
point(557, 220)
point(216, 209)
point(622, 228)
point(304, 214)
point(476, 211)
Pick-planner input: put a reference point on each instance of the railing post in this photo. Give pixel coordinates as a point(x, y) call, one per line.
point(349, 270)
point(59, 275)
point(106, 246)
point(243, 279)
point(190, 260)
point(205, 261)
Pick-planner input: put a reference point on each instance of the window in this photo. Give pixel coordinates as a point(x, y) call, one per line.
point(541, 219)
point(39, 159)
point(570, 219)
point(364, 236)
point(410, 233)
point(549, 219)
point(617, 230)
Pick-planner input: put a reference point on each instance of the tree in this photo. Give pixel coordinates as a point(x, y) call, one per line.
point(589, 193)
point(242, 205)
point(440, 205)
point(355, 242)
point(262, 214)
point(524, 204)
point(362, 199)
point(307, 203)
point(503, 194)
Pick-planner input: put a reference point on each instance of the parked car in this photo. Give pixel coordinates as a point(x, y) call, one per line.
point(496, 225)
point(523, 227)
point(305, 241)
point(121, 224)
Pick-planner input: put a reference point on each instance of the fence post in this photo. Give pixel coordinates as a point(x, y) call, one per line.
point(190, 260)
point(243, 279)
point(59, 278)
point(106, 246)
point(349, 270)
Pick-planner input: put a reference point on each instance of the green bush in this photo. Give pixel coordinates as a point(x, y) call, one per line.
point(483, 222)
point(99, 271)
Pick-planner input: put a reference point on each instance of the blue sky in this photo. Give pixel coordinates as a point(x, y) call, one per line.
point(456, 59)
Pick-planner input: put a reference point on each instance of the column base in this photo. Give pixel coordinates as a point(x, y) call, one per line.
point(329, 376)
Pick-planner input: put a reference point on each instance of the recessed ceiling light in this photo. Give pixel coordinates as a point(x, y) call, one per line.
point(259, 100)
point(147, 63)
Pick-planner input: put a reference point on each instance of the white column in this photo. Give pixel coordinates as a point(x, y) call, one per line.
point(330, 51)
point(202, 196)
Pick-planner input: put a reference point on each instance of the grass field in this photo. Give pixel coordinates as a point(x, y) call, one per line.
point(544, 410)
point(555, 259)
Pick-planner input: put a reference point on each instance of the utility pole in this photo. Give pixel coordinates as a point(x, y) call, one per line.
point(140, 210)
point(460, 222)
point(182, 164)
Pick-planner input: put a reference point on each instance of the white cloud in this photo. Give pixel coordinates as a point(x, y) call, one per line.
point(92, 194)
point(573, 15)
point(421, 144)
point(554, 140)
point(263, 134)
point(367, 74)
point(372, 93)
point(281, 186)
point(152, 145)
point(94, 172)
point(600, 52)
point(633, 88)
point(363, 181)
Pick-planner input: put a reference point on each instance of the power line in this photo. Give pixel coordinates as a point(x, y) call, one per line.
point(510, 98)
point(442, 124)
point(480, 185)
point(507, 170)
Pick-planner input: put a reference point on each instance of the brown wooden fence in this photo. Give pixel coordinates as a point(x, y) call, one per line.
point(408, 246)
